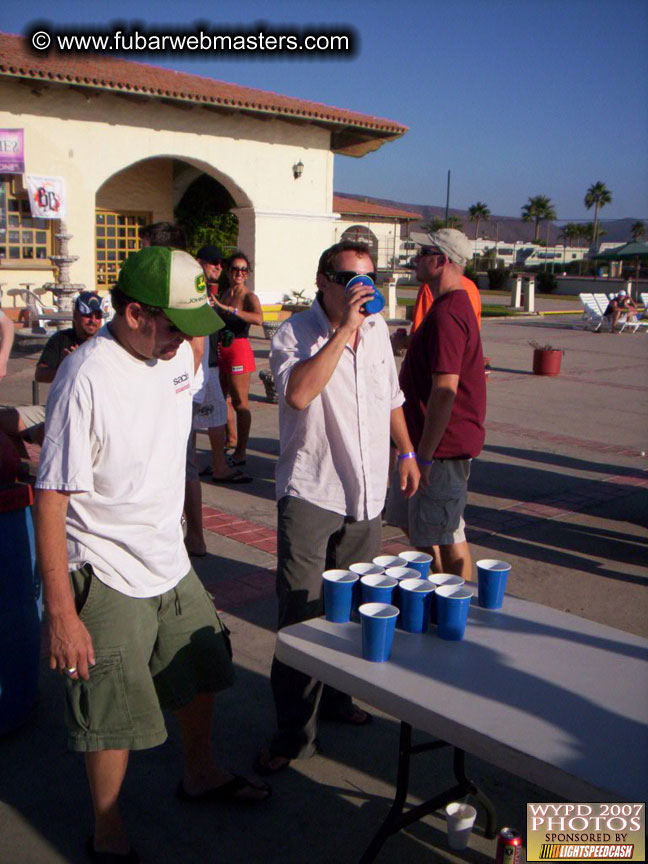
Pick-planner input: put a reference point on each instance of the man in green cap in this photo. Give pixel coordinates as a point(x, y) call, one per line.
point(132, 630)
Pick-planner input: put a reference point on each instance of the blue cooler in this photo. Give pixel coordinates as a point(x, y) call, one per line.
point(21, 609)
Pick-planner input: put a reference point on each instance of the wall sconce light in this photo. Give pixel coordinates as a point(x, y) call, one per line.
point(298, 169)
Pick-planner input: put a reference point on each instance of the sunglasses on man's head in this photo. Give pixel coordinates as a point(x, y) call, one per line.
point(342, 277)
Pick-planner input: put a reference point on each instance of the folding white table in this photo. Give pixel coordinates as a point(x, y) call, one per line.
point(556, 699)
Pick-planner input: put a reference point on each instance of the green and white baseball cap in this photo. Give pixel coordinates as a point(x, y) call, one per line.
point(172, 280)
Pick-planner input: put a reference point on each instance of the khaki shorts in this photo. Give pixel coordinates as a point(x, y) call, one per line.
point(151, 653)
point(434, 516)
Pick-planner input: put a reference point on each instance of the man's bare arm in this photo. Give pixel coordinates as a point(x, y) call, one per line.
point(70, 642)
point(6, 341)
point(408, 470)
point(437, 417)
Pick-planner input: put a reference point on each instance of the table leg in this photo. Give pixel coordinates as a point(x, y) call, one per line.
point(396, 819)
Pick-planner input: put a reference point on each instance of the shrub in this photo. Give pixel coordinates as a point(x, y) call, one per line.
point(498, 279)
point(546, 282)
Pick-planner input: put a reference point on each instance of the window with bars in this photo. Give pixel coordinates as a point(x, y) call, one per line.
point(22, 238)
point(116, 237)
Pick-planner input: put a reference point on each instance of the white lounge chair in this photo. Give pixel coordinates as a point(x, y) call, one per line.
point(593, 319)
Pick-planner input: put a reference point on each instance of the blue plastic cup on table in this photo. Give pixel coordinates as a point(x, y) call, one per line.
point(418, 560)
point(376, 303)
point(401, 573)
point(378, 625)
point(453, 602)
point(362, 568)
point(438, 579)
point(415, 596)
point(377, 588)
point(491, 582)
point(338, 594)
point(386, 561)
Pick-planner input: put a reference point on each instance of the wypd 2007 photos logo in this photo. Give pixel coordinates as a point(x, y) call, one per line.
point(594, 832)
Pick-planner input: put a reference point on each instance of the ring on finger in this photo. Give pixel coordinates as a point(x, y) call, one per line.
point(70, 670)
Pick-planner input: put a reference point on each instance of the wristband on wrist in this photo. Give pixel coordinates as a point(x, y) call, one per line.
point(402, 456)
point(424, 461)
point(234, 310)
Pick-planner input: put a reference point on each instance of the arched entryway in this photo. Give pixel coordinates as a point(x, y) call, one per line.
point(166, 188)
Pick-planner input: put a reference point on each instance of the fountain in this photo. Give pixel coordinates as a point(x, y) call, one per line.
point(63, 290)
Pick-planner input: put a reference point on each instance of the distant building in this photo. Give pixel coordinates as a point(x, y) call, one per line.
point(384, 229)
point(129, 139)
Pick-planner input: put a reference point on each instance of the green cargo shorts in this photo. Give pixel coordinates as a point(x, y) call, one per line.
point(151, 653)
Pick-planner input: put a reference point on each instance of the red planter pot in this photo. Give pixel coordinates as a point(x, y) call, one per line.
point(546, 362)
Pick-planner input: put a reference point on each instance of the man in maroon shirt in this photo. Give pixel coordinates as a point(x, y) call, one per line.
point(444, 384)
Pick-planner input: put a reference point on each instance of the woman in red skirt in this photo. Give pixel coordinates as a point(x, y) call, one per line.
point(239, 307)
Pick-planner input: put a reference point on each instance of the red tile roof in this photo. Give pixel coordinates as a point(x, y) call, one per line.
point(357, 207)
point(352, 133)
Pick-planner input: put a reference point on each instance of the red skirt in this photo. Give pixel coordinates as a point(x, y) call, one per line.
point(237, 358)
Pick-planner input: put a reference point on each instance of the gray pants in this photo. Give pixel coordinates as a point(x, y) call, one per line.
point(310, 540)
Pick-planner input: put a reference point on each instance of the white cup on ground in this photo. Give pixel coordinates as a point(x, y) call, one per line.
point(460, 818)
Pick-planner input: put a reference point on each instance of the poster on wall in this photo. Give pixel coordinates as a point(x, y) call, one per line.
point(46, 196)
point(12, 151)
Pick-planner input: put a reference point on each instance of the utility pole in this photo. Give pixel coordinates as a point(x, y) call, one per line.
point(447, 199)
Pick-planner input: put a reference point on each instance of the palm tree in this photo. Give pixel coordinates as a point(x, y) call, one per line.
point(597, 196)
point(538, 210)
point(478, 212)
point(638, 230)
point(570, 232)
point(436, 223)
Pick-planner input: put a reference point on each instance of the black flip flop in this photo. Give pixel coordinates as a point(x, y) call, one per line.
point(110, 857)
point(226, 792)
point(236, 478)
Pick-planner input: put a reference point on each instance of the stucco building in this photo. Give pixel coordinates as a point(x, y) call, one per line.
point(129, 139)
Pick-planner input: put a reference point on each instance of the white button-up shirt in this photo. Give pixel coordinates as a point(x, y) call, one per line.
point(335, 452)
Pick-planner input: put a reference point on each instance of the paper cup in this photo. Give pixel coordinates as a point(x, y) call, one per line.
point(491, 581)
point(378, 625)
point(338, 594)
point(453, 602)
point(415, 595)
point(377, 588)
point(460, 819)
point(418, 560)
point(388, 561)
point(441, 579)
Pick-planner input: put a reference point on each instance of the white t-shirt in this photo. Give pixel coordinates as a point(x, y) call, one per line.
point(116, 436)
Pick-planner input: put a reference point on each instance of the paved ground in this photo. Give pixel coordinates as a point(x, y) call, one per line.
point(560, 491)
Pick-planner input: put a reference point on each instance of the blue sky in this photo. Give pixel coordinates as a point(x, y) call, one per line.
point(515, 97)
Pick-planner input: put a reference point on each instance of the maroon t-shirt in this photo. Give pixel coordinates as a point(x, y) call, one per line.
point(447, 341)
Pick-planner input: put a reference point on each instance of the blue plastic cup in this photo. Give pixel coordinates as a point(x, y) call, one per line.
point(386, 561)
point(491, 582)
point(453, 602)
point(415, 596)
point(418, 560)
point(378, 625)
point(400, 573)
point(441, 579)
point(377, 588)
point(338, 594)
point(376, 303)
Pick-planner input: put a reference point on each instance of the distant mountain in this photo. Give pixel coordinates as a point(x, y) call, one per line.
point(505, 228)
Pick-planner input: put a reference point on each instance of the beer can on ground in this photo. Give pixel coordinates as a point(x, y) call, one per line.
point(509, 847)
